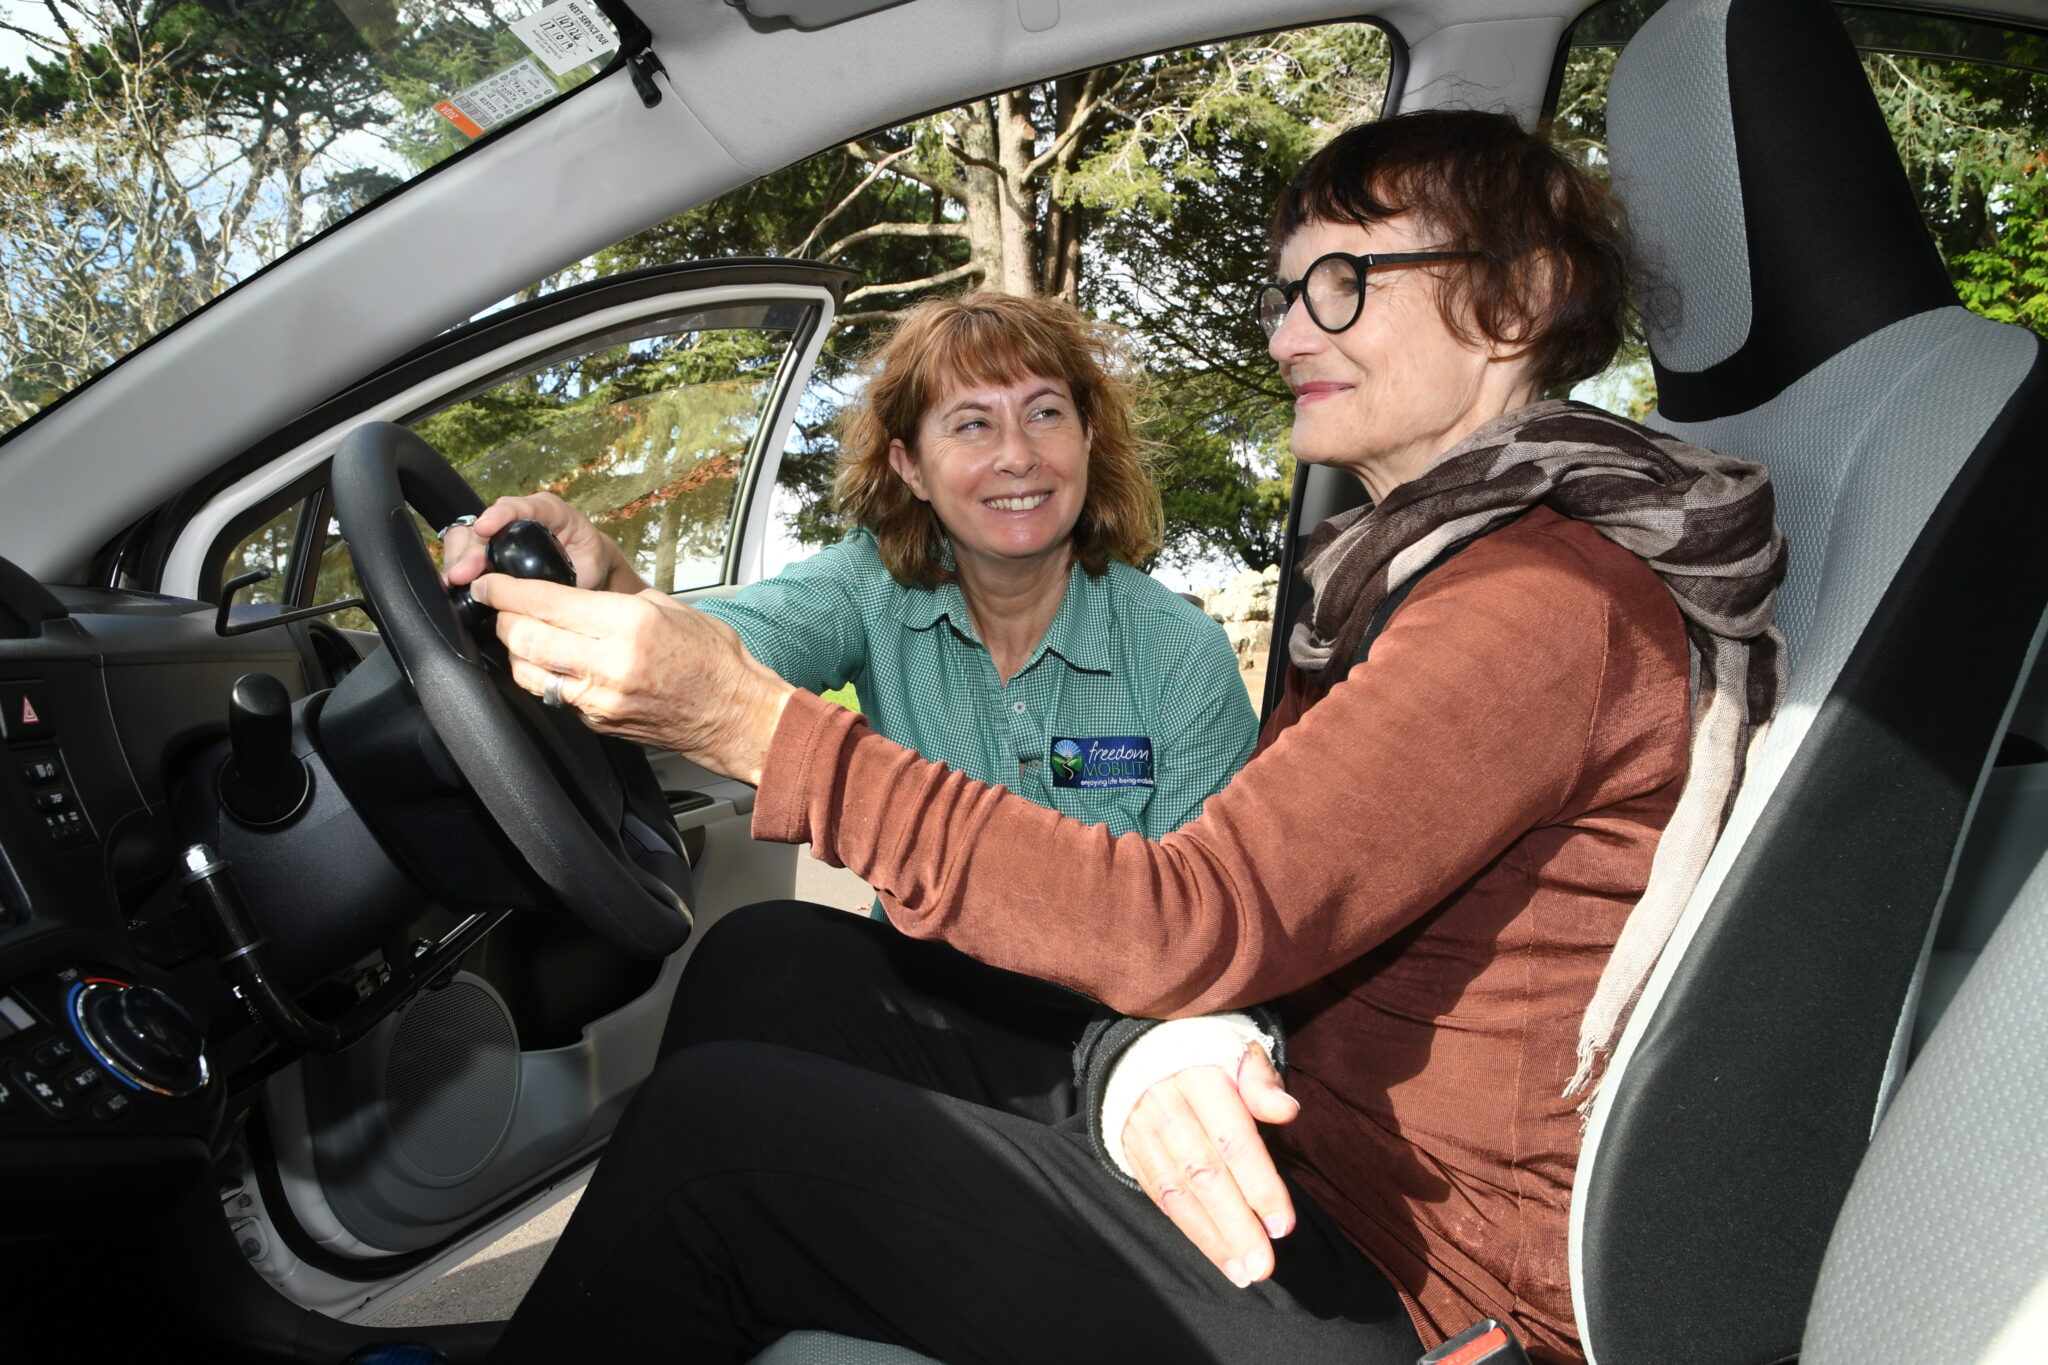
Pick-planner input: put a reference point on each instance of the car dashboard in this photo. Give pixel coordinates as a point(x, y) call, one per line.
point(117, 1073)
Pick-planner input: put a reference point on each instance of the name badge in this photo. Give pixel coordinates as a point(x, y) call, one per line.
point(1098, 764)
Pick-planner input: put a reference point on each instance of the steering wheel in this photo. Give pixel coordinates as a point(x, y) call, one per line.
point(553, 813)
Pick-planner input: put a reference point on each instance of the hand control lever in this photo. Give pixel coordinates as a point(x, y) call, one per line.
point(264, 782)
point(525, 549)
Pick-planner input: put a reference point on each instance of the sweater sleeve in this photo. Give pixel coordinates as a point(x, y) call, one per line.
point(1469, 726)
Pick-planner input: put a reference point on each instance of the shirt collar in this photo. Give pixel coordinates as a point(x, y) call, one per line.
point(1077, 634)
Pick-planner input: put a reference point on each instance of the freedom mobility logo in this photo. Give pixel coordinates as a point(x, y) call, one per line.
point(1108, 761)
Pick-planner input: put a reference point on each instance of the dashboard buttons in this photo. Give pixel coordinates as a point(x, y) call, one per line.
point(46, 1095)
point(81, 1080)
point(67, 829)
point(110, 1107)
point(24, 713)
point(54, 1052)
point(40, 772)
point(56, 798)
point(6, 1097)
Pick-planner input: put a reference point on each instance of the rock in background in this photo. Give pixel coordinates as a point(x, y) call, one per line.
point(1244, 605)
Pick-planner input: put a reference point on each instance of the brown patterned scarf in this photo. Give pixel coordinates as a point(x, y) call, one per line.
point(1705, 523)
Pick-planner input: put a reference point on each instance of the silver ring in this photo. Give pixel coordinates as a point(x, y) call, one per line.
point(551, 695)
point(467, 519)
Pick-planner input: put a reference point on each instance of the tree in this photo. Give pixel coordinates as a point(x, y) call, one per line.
point(154, 152)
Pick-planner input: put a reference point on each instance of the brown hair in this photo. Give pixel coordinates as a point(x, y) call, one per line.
point(1534, 216)
point(988, 338)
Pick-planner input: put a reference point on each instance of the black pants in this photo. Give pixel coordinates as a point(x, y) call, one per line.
point(855, 1131)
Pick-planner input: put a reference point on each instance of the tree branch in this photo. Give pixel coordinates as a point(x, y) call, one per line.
point(853, 239)
point(875, 170)
point(1079, 117)
point(958, 272)
point(875, 155)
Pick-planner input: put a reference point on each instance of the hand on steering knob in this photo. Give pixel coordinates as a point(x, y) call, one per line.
point(594, 556)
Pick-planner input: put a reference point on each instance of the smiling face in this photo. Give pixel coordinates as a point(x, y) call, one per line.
point(1387, 395)
point(1005, 469)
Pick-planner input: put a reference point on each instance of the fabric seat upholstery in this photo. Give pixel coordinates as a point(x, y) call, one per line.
point(825, 1348)
point(1941, 1251)
point(1801, 317)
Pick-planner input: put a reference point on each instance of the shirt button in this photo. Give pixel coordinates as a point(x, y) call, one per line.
point(1018, 707)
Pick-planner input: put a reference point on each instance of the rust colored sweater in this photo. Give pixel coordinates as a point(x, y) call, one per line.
point(1426, 868)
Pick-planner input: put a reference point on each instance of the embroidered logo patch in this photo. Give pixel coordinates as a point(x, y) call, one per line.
point(1108, 761)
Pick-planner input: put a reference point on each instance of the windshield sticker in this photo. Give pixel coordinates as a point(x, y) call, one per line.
point(495, 99)
point(1096, 764)
point(566, 34)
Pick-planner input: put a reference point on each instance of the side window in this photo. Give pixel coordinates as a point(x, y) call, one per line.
point(1967, 105)
point(648, 431)
point(335, 578)
point(267, 550)
point(652, 430)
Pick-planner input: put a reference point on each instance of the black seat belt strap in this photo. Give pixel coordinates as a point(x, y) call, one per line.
point(1385, 611)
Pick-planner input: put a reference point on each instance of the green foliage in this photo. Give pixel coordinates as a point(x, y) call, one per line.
point(1972, 136)
point(1183, 278)
point(647, 437)
point(2008, 281)
point(154, 152)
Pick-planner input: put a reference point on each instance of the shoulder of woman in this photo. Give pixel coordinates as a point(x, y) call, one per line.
point(1138, 596)
point(1553, 568)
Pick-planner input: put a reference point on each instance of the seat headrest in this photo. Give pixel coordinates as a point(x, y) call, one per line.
point(1775, 221)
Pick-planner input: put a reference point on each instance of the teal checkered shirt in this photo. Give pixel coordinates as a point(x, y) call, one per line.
point(1124, 659)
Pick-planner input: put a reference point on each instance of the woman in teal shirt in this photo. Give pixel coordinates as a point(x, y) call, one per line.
point(987, 609)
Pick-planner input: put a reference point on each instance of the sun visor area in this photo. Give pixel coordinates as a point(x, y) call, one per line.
point(812, 13)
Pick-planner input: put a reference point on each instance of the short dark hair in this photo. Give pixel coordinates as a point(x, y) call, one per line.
point(1532, 215)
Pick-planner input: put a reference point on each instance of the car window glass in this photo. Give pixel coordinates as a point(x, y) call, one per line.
point(1967, 105)
point(647, 431)
point(336, 579)
point(153, 155)
point(268, 550)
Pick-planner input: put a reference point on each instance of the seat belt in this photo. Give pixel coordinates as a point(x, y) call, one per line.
point(1490, 1342)
point(1386, 609)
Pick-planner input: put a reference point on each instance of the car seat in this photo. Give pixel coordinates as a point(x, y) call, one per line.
point(1799, 315)
point(1941, 1251)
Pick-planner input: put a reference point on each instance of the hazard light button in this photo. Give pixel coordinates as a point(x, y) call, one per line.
point(24, 713)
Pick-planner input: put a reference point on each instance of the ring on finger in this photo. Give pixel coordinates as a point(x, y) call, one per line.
point(551, 694)
point(466, 519)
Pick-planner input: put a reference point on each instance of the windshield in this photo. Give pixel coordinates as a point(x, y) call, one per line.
point(153, 153)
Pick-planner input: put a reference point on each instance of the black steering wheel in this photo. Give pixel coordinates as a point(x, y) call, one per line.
point(549, 794)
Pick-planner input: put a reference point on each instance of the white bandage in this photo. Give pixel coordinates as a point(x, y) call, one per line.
point(1174, 1046)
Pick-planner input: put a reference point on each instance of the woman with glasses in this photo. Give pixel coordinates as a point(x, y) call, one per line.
point(1516, 709)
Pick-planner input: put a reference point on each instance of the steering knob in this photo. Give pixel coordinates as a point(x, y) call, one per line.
point(525, 549)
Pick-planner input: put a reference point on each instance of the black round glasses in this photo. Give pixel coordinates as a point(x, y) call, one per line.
point(1334, 288)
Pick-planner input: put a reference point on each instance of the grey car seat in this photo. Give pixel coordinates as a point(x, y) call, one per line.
point(1805, 321)
point(1942, 1249)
